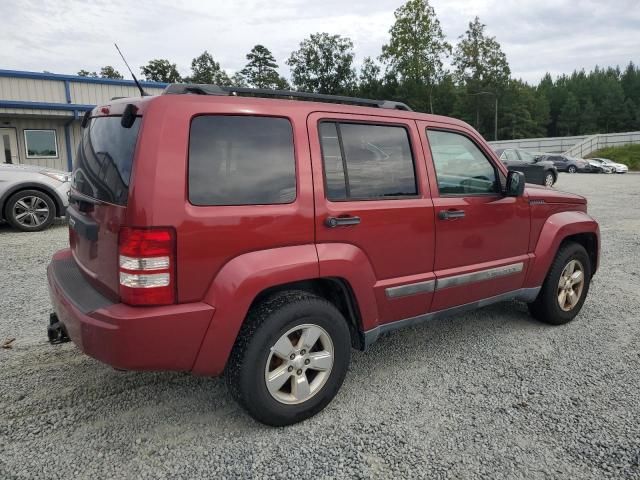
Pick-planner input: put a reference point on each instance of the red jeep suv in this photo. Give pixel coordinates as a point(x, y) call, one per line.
point(263, 234)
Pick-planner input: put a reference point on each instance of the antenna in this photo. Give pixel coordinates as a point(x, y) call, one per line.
point(142, 92)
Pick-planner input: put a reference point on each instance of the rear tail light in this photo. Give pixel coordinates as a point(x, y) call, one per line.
point(147, 266)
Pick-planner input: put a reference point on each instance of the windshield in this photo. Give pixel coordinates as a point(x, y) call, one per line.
point(105, 157)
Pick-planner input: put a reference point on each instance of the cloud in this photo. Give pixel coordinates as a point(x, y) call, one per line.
point(537, 36)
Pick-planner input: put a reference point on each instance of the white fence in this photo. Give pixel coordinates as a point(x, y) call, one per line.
point(546, 145)
point(578, 146)
point(596, 142)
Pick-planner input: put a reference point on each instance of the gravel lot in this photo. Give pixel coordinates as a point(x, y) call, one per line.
point(490, 394)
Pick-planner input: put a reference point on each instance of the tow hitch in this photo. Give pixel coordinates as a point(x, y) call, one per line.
point(56, 331)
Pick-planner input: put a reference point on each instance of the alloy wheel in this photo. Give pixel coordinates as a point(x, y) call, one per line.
point(570, 285)
point(299, 364)
point(31, 211)
point(548, 180)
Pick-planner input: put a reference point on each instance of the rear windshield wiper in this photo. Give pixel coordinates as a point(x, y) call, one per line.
point(74, 197)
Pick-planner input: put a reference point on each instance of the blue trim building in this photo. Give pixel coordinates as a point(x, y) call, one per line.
point(40, 113)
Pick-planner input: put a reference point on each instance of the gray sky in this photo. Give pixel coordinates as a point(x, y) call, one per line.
point(65, 36)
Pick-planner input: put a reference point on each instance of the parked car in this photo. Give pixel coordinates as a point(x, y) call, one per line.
point(598, 167)
point(212, 231)
point(536, 171)
point(615, 167)
point(568, 164)
point(31, 197)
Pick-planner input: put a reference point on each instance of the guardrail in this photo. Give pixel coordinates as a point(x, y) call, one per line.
point(576, 146)
point(596, 142)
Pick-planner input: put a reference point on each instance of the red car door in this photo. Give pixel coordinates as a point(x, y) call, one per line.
point(482, 236)
point(373, 207)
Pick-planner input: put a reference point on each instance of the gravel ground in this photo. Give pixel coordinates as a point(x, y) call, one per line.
point(491, 394)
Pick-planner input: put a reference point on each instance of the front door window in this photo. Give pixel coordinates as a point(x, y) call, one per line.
point(461, 168)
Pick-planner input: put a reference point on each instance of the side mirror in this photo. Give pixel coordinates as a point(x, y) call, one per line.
point(515, 184)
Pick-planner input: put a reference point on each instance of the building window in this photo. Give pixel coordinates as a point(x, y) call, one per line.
point(41, 143)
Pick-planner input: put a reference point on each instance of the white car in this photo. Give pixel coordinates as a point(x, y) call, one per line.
point(616, 167)
point(31, 197)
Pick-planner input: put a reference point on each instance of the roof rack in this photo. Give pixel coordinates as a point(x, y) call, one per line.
point(203, 89)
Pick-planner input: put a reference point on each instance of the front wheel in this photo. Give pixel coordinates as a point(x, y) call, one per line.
point(564, 290)
point(30, 210)
point(549, 179)
point(572, 169)
point(290, 358)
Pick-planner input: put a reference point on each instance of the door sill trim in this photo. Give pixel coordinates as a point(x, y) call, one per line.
point(522, 294)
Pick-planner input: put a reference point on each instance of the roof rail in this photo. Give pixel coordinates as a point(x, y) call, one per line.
point(203, 89)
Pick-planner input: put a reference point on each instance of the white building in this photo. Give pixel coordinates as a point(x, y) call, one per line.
point(40, 113)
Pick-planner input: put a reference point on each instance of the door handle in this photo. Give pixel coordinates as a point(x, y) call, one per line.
point(450, 214)
point(333, 222)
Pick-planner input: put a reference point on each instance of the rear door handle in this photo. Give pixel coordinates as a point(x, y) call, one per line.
point(450, 214)
point(333, 222)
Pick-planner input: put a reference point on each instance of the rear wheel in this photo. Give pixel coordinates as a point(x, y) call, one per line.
point(30, 210)
point(549, 179)
point(564, 290)
point(290, 358)
point(572, 169)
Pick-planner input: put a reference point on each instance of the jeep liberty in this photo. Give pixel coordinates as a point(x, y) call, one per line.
point(262, 234)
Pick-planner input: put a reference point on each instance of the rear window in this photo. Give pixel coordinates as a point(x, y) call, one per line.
point(241, 160)
point(104, 160)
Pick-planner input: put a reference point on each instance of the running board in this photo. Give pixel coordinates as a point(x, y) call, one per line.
point(523, 294)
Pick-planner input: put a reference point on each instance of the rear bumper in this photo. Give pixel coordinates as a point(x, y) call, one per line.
point(130, 338)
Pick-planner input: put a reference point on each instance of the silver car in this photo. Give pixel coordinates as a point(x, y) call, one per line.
point(615, 167)
point(31, 197)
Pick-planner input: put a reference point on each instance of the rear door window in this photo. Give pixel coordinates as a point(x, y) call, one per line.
point(105, 159)
point(511, 155)
point(366, 162)
point(241, 160)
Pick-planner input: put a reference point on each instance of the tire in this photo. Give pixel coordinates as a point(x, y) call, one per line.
point(253, 358)
point(30, 210)
point(546, 307)
point(572, 169)
point(549, 179)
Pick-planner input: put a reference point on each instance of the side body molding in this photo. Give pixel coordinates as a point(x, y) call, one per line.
point(555, 229)
point(234, 288)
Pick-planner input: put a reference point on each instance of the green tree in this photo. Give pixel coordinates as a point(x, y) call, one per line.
point(480, 66)
point(109, 72)
point(588, 118)
point(630, 81)
point(204, 69)
point(86, 73)
point(323, 64)
point(613, 114)
point(238, 80)
point(417, 47)
point(569, 118)
point(369, 81)
point(261, 70)
point(161, 70)
point(524, 111)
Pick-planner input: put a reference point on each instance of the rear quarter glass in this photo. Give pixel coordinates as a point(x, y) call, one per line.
point(105, 159)
point(241, 160)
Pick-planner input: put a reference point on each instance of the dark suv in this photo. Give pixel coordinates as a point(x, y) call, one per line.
point(535, 170)
point(568, 164)
point(212, 231)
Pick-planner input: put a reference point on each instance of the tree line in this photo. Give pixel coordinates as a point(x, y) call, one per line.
point(471, 80)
